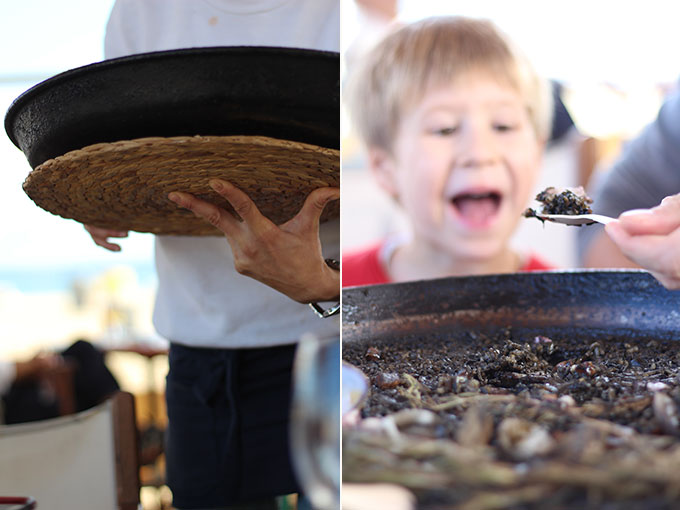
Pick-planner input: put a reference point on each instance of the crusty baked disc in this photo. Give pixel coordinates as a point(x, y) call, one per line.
point(124, 185)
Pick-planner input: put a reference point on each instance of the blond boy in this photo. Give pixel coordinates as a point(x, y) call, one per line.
point(455, 121)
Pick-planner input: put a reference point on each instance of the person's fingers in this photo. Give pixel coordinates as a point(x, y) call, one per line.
point(100, 236)
point(636, 247)
point(241, 203)
point(211, 213)
point(308, 217)
point(650, 251)
point(648, 222)
point(616, 231)
point(672, 201)
point(106, 244)
point(669, 282)
point(105, 232)
point(660, 220)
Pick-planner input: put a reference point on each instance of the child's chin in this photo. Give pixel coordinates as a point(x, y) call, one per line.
point(477, 251)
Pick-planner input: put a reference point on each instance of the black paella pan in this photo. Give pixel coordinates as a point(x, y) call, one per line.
point(107, 142)
point(630, 303)
point(284, 93)
point(520, 391)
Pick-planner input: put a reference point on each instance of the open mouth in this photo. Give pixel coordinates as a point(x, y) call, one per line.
point(477, 209)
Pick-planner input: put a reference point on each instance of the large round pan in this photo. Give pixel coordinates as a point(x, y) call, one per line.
point(630, 304)
point(284, 93)
point(110, 140)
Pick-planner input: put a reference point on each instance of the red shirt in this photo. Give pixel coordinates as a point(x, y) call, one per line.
point(363, 267)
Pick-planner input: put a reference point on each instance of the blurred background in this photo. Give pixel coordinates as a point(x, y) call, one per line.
point(49, 266)
point(614, 61)
point(56, 285)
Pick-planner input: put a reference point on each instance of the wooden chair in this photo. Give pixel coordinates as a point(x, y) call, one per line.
point(84, 460)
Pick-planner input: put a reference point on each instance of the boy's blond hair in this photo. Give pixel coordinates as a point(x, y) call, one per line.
point(397, 72)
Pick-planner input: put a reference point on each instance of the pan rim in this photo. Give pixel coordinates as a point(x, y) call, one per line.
point(17, 105)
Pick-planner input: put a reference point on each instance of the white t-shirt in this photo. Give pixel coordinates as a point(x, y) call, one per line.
point(201, 299)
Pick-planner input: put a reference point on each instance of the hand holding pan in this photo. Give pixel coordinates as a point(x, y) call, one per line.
point(109, 141)
point(101, 236)
point(287, 257)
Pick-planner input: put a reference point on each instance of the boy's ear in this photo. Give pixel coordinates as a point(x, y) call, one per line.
point(381, 163)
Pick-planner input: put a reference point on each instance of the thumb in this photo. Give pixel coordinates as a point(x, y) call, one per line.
point(654, 221)
point(617, 232)
point(315, 203)
point(660, 220)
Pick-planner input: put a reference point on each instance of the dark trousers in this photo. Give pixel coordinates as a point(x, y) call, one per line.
point(227, 436)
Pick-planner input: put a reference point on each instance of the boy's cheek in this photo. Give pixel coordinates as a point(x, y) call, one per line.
point(527, 178)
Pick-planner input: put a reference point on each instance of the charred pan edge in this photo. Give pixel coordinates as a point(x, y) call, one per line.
point(626, 302)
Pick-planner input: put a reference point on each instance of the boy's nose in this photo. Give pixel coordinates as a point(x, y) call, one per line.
point(477, 147)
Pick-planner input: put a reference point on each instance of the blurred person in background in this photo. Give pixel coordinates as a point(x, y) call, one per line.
point(28, 388)
point(14, 374)
point(647, 171)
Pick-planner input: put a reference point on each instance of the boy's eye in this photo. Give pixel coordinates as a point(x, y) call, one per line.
point(503, 127)
point(446, 131)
